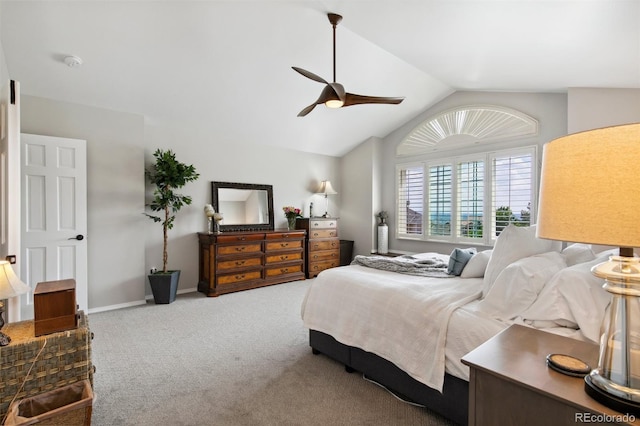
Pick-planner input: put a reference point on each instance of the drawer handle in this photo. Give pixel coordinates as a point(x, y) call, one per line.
point(240, 262)
point(316, 246)
point(333, 244)
point(331, 224)
point(284, 257)
point(239, 277)
point(242, 238)
point(284, 270)
point(240, 248)
point(283, 245)
point(315, 234)
point(285, 236)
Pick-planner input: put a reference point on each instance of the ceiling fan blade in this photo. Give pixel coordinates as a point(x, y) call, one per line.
point(310, 75)
point(332, 91)
point(307, 110)
point(353, 99)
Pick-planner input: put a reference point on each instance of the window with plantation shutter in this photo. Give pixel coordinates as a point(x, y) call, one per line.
point(440, 200)
point(410, 200)
point(470, 211)
point(512, 189)
point(467, 199)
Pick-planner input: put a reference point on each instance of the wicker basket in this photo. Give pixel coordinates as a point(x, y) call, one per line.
point(66, 406)
point(58, 359)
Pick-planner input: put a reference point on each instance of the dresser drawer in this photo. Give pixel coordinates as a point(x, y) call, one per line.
point(238, 263)
point(323, 224)
point(323, 233)
point(324, 255)
point(323, 245)
point(284, 257)
point(284, 245)
point(284, 235)
point(316, 267)
point(239, 248)
point(222, 239)
point(283, 270)
point(239, 277)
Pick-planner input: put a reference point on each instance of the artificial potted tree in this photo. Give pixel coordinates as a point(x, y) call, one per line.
point(168, 175)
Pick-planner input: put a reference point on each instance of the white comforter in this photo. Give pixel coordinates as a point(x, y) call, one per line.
point(401, 318)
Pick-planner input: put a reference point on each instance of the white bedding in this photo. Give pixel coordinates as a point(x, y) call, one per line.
point(401, 318)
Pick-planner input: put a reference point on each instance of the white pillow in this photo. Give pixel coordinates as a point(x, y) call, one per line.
point(574, 296)
point(578, 253)
point(514, 243)
point(517, 287)
point(476, 266)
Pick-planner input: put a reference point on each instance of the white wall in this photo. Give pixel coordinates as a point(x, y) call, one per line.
point(115, 181)
point(123, 244)
point(294, 175)
point(592, 108)
point(361, 195)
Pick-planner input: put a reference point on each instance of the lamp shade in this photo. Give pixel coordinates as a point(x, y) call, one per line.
point(10, 284)
point(326, 188)
point(590, 187)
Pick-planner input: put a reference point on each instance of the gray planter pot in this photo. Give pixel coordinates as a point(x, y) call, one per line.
point(164, 286)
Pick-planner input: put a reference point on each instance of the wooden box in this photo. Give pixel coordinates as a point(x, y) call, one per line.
point(55, 307)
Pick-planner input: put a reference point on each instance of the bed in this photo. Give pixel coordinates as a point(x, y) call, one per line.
point(408, 331)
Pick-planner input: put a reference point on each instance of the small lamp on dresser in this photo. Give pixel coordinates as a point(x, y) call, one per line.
point(10, 286)
point(326, 189)
point(589, 193)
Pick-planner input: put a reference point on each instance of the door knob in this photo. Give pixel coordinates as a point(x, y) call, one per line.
point(78, 237)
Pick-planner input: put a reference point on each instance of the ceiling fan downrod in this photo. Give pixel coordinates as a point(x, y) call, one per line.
point(335, 20)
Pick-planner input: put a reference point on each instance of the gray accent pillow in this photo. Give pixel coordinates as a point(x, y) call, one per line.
point(458, 259)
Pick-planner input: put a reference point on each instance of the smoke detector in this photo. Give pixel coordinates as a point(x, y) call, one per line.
point(72, 61)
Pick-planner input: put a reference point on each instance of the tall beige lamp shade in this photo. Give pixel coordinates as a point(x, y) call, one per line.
point(326, 189)
point(10, 286)
point(590, 193)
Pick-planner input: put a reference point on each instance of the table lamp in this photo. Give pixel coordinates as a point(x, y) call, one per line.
point(590, 193)
point(326, 189)
point(10, 286)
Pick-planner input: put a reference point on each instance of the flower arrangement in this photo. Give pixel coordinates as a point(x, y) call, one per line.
point(383, 216)
point(292, 213)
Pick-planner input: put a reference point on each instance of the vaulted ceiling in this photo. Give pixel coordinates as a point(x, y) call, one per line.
point(223, 68)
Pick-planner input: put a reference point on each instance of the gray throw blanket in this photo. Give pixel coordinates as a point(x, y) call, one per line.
point(406, 264)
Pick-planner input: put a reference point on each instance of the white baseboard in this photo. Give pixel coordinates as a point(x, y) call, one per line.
point(136, 303)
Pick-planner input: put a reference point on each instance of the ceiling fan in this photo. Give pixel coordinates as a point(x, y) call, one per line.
point(333, 94)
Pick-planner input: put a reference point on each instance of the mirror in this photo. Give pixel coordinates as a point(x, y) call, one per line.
point(244, 206)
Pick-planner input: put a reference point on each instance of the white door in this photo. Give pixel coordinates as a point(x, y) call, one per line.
point(10, 182)
point(54, 213)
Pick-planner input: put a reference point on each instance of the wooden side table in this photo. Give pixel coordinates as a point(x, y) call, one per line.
point(510, 383)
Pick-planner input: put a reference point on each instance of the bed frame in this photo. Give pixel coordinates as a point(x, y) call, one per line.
point(452, 403)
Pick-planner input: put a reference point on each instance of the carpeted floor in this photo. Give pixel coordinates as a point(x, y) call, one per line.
point(238, 359)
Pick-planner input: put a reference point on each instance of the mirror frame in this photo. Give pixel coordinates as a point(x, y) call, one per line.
point(248, 186)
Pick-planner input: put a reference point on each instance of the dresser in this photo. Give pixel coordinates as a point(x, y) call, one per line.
point(510, 383)
point(234, 261)
point(323, 244)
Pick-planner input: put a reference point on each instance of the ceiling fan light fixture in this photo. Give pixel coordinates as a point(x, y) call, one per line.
point(334, 103)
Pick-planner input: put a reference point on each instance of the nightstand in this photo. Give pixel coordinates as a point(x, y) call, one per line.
point(510, 383)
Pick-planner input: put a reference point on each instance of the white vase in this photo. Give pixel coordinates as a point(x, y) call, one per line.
point(383, 239)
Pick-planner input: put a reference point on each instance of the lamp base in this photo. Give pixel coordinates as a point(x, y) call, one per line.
point(4, 339)
point(610, 400)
